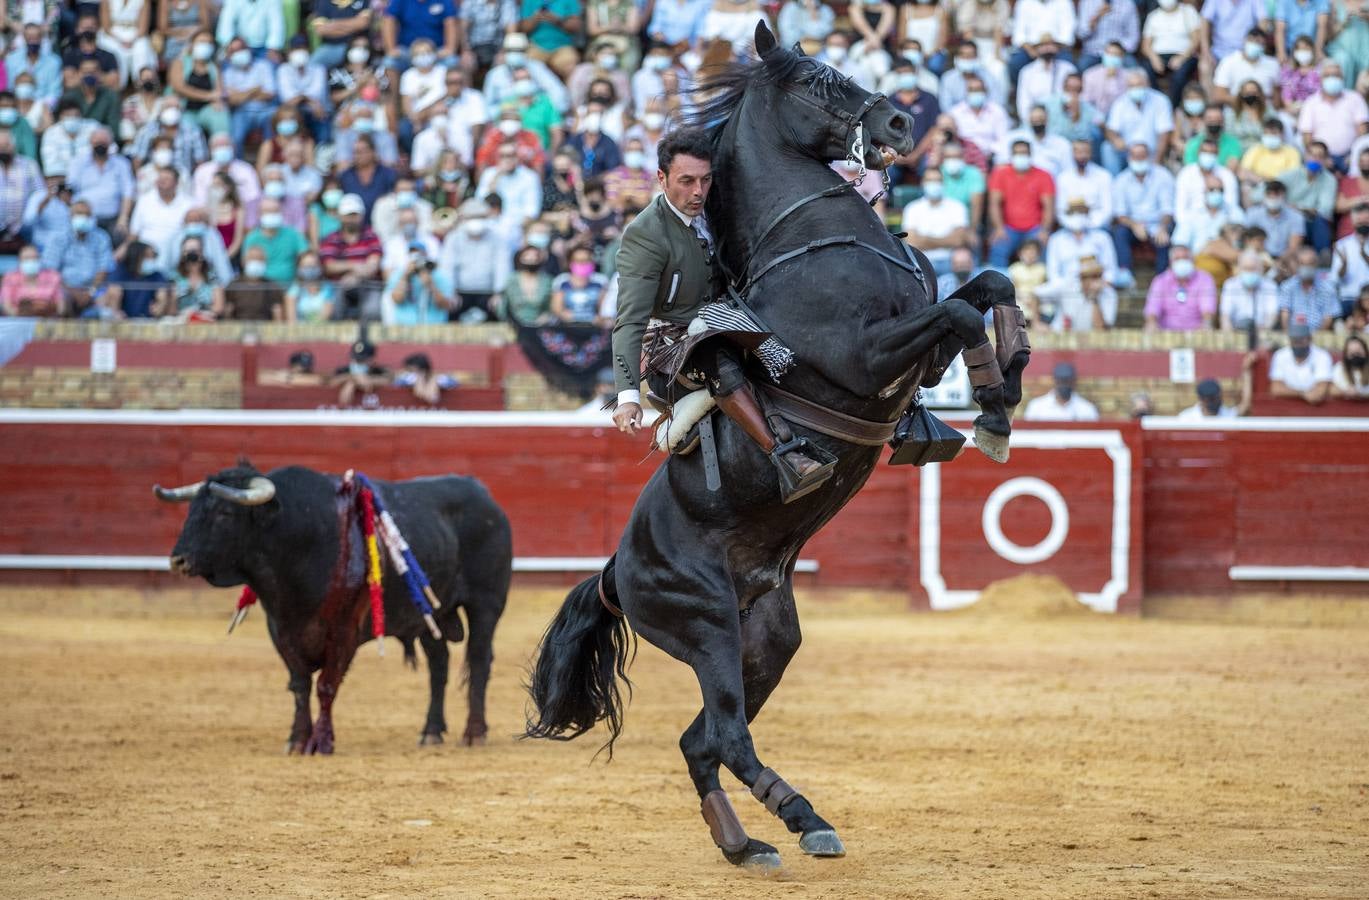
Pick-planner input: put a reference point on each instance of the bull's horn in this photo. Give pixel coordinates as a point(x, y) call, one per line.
point(178, 495)
point(258, 491)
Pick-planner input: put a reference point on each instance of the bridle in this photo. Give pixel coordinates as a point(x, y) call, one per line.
point(855, 123)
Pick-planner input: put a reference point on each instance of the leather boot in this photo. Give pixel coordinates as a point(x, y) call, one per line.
point(741, 407)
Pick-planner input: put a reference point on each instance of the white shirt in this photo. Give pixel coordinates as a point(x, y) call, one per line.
point(1172, 32)
point(1190, 190)
point(423, 88)
point(1239, 304)
point(984, 128)
point(465, 113)
point(1196, 229)
point(1236, 70)
point(1051, 152)
point(1037, 81)
point(1196, 411)
point(1350, 265)
point(1064, 249)
point(429, 144)
point(385, 216)
point(935, 220)
point(154, 222)
point(520, 190)
point(1093, 186)
point(1047, 408)
point(1033, 18)
point(396, 250)
point(1074, 309)
point(1300, 376)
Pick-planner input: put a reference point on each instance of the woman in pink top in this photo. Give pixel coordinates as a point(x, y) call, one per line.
point(31, 290)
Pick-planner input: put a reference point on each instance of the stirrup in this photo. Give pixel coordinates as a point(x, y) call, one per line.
point(792, 484)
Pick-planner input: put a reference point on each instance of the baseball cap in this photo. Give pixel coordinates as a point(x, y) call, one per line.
point(1209, 387)
point(350, 205)
point(1063, 370)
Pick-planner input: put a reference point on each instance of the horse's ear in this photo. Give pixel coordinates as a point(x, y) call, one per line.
point(765, 39)
point(797, 49)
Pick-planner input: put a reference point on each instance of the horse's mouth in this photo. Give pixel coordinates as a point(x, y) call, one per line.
point(880, 156)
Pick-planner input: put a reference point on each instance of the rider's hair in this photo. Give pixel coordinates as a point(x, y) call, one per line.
point(683, 142)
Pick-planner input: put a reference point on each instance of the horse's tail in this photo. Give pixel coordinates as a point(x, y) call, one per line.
point(582, 657)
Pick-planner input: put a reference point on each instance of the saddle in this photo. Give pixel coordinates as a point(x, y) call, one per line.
point(676, 431)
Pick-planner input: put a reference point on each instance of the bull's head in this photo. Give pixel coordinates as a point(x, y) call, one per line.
point(227, 511)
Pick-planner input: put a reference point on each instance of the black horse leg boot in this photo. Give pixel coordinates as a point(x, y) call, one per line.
point(799, 472)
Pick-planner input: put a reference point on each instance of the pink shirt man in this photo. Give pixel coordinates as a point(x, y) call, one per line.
point(1181, 305)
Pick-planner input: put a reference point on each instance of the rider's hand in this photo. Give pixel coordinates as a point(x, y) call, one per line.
point(628, 417)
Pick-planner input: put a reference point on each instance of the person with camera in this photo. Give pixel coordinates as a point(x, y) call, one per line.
point(417, 293)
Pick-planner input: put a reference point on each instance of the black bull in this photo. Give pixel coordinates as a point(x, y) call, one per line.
point(279, 534)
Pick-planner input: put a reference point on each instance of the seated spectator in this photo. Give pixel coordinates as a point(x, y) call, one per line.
point(280, 244)
point(1300, 19)
point(137, 289)
point(411, 28)
point(186, 138)
point(1299, 77)
point(1351, 45)
point(336, 24)
point(1021, 204)
point(161, 212)
point(259, 27)
point(310, 298)
point(1352, 190)
point(105, 179)
point(25, 140)
point(1195, 179)
point(1350, 258)
point(1251, 64)
point(1228, 147)
point(246, 183)
point(254, 297)
point(67, 138)
point(1171, 42)
point(1085, 180)
point(408, 233)
point(1245, 119)
point(1143, 210)
point(30, 289)
point(249, 89)
point(1043, 76)
point(1028, 274)
point(1083, 301)
point(177, 22)
point(1268, 159)
point(1198, 227)
point(1188, 116)
point(935, 225)
point(1103, 24)
point(634, 182)
point(536, 112)
point(969, 62)
point(206, 239)
point(195, 296)
point(323, 220)
point(979, 119)
point(908, 95)
point(1210, 405)
point(351, 259)
point(1308, 297)
point(1350, 377)
point(358, 75)
point(363, 118)
point(279, 184)
point(124, 33)
point(1283, 227)
point(417, 292)
point(423, 86)
point(1312, 192)
point(418, 376)
point(1181, 298)
point(1357, 322)
point(1050, 152)
point(553, 29)
point(195, 78)
point(1333, 116)
point(1228, 24)
point(1061, 404)
point(361, 374)
point(509, 132)
point(1140, 116)
point(604, 65)
point(1075, 241)
point(19, 180)
point(964, 184)
point(982, 24)
point(302, 86)
point(32, 56)
point(516, 185)
point(227, 213)
point(1300, 370)
point(476, 255)
point(385, 214)
point(1107, 80)
point(85, 47)
point(526, 299)
point(47, 212)
point(367, 179)
point(577, 295)
point(1033, 19)
point(1250, 299)
point(83, 257)
point(286, 128)
point(962, 270)
point(809, 21)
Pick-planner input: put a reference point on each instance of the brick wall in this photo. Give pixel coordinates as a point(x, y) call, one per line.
point(73, 388)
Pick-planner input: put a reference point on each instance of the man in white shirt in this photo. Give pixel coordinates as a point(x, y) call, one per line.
point(1062, 404)
point(385, 213)
point(409, 233)
point(935, 225)
point(1210, 405)
point(1350, 257)
point(1301, 370)
point(1084, 302)
point(1249, 296)
point(159, 213)
point(1043, 76)
point(1251, 64)
point(1087, 180)
point(1031, 19)
point(968, 62)
point(1142, 115)
point(499, 80)
point(1076, 240)
point(516, 184)
point(1191, 184)
point(1048, 151)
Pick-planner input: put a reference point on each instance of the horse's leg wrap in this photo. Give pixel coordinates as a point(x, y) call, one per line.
point(1010, 333)
point(723, 823)
point(982, 362)
point(772, 790)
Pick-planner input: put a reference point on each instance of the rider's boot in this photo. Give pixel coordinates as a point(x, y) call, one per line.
point(799, 472)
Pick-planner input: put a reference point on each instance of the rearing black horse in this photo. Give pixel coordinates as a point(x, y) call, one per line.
point(707, 576)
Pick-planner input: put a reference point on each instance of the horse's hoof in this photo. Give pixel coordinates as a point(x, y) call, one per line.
point(824, 843)
point(430, 740)
point(755, 855)
point(295, 748)
point(994, 446)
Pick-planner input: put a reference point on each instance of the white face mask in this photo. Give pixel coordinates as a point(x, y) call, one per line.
point(836, 53)
point(162, 158)
point(170, 117)
point(1182, 267)
point(1167, 5)
point(1021, 162)
point(477, 227)
point(653, 121)
point(608, 62)
point(591, 123)
point(299, 58)
point(273, 189)
point(241, 58)
point(358, 55)
point(634, 159)
point(1075, 221)
point(508, 127)
point(424, 60)
point(254, 268)
point(1303, 56)
point(271, 221)
point(1271, 141)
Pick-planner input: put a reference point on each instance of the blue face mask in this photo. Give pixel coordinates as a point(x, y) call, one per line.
point(1313, 166)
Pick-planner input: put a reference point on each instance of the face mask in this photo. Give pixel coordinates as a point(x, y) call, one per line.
point(364, 125)
point(913, 56)
point(524, 88)
point(287, 127)
point(299, 58)
point(8, 116)
point(254, 268)
point(331, 198)
point(582, 269)
point(1021, 162)
point(358, 368)
point(1112, 62)
point(634, 159)
point(272, 220)
point(653, 121)
point(591, 123)
point(273, 189)
point(192, 256)
point(1039, 130)
point(1273, 204)
point(1213, 131)
point(1206, 161)
point(82, 224)
point(477, 227)
point(508, 127)
point(605, 99)
point(1138, 166)
point(71, 126)
point(1168, 4)
point(964, 66)
point(515, 58)
point(1136, 94)
point(449, 175)
point(222, 155)
point(1356, 362)
point(25, 91)
point(953, 166)
point(358, 55)
point(310, 273)
point(528, 265)
point(1075, 221)
point(608, 62)
point(1271, 141)
point(1183, 268)
point(90, 81)
point(1307, 273)
point(1362, 229)
point(658, 63)
point(1250, 279)
point(539, 239)
point(906, 82)
point(1047, 58)
point(836, 54)
point(30, 267)
point(170, 117)
point(1253, 50)
point(976, 99)
point(1215, 199)
point(194, 229)
point(1313, 166)
point(424, 60)
point(241, 58)
point(33, 49)
point(1301, 353)
point(1303, 56)
point(203, 52)
point(1333, 85)
point(961, 275)
point(933, 190)
point(99, 151)
point(1194, 106)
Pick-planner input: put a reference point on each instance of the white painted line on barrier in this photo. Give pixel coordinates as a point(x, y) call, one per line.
point(1256, 423)
point(35, 562)
point(1298, 573)
point(308, 417)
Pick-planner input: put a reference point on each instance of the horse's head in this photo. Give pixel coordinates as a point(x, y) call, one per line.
point(825, 114)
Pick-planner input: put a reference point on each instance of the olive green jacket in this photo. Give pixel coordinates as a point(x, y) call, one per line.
point(663, 273)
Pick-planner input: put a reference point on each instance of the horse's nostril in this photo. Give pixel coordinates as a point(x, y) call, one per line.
point(899, 123)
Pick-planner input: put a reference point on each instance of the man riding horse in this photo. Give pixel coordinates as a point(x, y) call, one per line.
point(665, 272)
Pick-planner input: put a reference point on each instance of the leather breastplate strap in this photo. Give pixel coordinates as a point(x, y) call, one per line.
point(826, 421)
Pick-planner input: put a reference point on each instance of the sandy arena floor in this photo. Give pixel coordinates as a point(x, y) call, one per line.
point(962, 755)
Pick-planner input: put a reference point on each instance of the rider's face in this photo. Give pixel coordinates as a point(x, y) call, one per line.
point(686, 185)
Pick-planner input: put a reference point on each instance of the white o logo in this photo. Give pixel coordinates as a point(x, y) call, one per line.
point(993, 513)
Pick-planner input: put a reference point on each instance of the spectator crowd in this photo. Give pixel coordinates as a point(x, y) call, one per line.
point(427, 161)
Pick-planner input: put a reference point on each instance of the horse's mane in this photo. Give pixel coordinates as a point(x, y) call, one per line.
point(725, 85)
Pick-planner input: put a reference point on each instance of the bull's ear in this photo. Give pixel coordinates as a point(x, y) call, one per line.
point(765, 39)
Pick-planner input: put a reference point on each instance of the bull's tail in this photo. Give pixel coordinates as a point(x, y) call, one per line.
point(583, 655)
